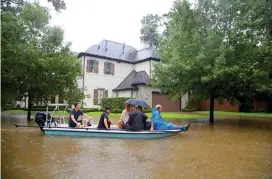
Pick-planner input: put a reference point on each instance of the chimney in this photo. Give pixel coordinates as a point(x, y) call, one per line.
point(124, 48)
point(106, 46)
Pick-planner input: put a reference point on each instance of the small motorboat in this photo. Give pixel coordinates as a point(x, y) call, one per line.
point(55, 125)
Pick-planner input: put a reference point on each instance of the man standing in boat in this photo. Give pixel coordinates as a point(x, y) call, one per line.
point(74, 115)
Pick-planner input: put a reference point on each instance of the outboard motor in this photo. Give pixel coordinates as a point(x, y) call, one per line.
point(40, 119)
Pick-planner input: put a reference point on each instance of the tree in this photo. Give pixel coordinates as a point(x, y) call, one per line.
point(191, 54)
point(16, 5)
point(208, 51)
point(35, 61)
point(149, 31)
point(248, 46)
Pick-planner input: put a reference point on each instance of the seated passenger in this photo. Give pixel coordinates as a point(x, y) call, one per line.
point(104, 122)
point(136, 120)
point(124, 116)
point(74, 115)
point(159, 124)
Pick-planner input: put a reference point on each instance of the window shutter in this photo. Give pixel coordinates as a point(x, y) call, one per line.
point(112, 69)
point(88, 66)
point(96, 66)
point(95, 97)
point(106, 93)
point(105, 67)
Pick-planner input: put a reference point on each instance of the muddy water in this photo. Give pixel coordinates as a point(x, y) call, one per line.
point(230, 149)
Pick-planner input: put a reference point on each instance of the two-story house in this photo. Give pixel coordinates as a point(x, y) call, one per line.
point(113, 69)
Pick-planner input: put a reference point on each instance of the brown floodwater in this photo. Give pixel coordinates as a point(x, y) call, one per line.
point(231, 149)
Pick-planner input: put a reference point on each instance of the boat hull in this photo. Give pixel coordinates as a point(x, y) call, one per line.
point(85, 132)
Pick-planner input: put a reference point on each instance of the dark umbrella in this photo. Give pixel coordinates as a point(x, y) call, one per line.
point(136, 102)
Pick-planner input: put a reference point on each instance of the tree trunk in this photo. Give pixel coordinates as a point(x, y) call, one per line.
point(211, 119)
point(29, 108)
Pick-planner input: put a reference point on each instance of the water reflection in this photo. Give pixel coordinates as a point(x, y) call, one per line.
point(228, 149)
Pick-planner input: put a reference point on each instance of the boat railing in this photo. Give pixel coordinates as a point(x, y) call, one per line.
point(61, 118)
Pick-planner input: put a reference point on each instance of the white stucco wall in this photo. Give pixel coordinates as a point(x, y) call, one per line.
point(126, 93)
point(101, 80)
point(143, 66)
point(134, 94)
point(147, 66)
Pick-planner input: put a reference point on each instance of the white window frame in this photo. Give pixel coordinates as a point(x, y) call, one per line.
point(101, 95)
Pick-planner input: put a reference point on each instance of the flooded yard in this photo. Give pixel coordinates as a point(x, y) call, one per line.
point(230, 149)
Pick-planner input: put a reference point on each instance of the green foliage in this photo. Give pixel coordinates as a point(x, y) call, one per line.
point(89, 110)
point(217, 49)
point(16, 5)
point(114, 103)
point(149, 31)
point(35, 61)
point(117, 110)
point(189, 110)
point(147, 110)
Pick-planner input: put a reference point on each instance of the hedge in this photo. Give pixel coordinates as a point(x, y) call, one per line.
point(114, 103)
point(189, 109)
point(117, 104)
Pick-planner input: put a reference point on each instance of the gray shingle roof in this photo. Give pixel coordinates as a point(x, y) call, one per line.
point(132, 80)
point(117, 51)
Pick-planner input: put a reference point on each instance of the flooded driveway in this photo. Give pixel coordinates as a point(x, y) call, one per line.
point(230, 149)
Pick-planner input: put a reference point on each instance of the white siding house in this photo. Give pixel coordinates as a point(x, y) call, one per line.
point(113, 69)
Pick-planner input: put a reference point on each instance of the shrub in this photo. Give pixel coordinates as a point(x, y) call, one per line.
point(114, 103)
point(263, 110)
point(116, 110)
point(90, 110)
point(147, 110)
point(8, 106)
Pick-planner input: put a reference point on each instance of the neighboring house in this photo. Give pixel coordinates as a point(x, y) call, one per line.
point(113, 69)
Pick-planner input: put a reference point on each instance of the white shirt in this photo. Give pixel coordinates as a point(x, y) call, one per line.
point(124, 116)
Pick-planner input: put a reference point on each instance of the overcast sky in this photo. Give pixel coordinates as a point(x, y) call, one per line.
point(87, 22)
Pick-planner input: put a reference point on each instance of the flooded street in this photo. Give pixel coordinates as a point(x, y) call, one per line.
point(230, 149)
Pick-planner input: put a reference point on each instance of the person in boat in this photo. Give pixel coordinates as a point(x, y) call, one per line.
point(136, 121)
point(75, 114)
point(105, 122)
point(124, 116)
point(159, 124)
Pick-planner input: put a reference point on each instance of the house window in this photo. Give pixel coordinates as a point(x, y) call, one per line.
point(108, 68)
point(92, 66)
point(101, 94)
point(117, 94)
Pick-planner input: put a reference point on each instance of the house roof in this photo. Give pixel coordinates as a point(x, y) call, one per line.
point(132, 80)
point(120, 52)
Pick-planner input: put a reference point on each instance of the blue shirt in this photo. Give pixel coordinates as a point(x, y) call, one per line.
point(76, 116)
